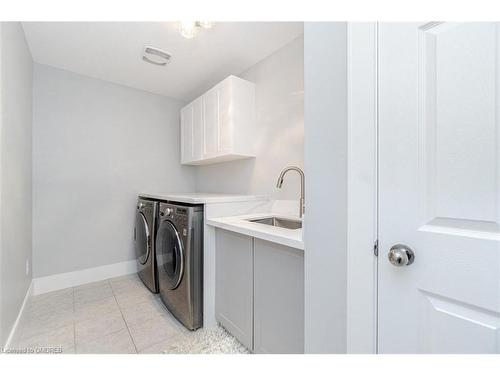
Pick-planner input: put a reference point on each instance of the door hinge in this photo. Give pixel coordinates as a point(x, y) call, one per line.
point(375, 248)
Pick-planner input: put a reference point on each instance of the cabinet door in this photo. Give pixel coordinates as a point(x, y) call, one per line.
point(278, 298)
point(234, 285)
point(187, 134)
point(197, 132)
point(226, 112)
point(211, 123)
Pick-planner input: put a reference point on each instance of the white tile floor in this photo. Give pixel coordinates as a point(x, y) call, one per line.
point(113, 316)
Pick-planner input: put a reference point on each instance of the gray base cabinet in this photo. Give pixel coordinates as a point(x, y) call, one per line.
point(259, 295)
point(278, 298)
point(234, 284)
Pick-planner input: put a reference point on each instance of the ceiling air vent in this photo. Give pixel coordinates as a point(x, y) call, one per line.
point(156, 56)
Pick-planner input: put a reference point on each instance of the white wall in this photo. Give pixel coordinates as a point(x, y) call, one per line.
point(279, 130)
point(96, 145)
point(16, 82)
point(325, 72)
point(362, 192)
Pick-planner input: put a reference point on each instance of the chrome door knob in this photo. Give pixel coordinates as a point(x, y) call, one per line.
point(401, 255)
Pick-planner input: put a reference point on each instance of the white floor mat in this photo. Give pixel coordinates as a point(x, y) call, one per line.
point(207, 341)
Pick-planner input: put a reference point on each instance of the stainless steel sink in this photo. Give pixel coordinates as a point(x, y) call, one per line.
point(278, 222)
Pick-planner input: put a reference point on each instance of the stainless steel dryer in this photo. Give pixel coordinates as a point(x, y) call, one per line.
point(144, 238)
point(179, 256)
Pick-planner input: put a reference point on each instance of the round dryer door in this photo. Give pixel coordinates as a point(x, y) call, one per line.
point(142, 238)
point(170, 254)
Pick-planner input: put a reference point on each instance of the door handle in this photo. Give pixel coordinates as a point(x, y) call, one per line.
point(401, 255)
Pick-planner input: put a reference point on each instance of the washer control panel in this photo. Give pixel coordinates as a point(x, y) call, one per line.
point(178, 215)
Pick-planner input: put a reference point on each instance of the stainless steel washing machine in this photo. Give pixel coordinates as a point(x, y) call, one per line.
point(179, 256)
point(144, 238)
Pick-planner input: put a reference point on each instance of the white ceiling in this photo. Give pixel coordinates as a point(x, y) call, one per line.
point(112, 51)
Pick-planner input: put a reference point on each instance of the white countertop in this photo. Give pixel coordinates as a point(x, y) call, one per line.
point(202, 198)
point(240, 224)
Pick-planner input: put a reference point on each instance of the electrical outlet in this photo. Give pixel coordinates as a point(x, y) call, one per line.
point(27, 267)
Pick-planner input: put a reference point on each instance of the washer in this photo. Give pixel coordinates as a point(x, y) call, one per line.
point(144, 239)
point(179, 255)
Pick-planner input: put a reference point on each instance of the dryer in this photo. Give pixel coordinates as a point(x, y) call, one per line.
point(144, 240)
point(179, 254)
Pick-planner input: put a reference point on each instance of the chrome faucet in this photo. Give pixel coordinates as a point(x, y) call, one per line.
point(302, 186)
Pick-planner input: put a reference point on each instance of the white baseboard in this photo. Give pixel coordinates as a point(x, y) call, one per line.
point(70, 279)
point(13, 331)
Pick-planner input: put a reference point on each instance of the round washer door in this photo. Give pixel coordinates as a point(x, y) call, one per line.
point(170, 254)
point(142, 238)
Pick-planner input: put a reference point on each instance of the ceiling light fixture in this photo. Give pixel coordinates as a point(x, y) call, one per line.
point(189, 29)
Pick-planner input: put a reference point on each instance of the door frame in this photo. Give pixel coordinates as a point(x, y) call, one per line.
point(362, 180)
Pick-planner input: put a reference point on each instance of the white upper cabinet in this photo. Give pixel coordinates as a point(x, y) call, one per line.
point(211, 140)
point(192, 131)
point(218, 125)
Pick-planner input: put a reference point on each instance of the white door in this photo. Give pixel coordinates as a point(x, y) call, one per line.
point(439, 187)
point(228, 108)
point(198, 129)
point(211, 123)
point(187, 134)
